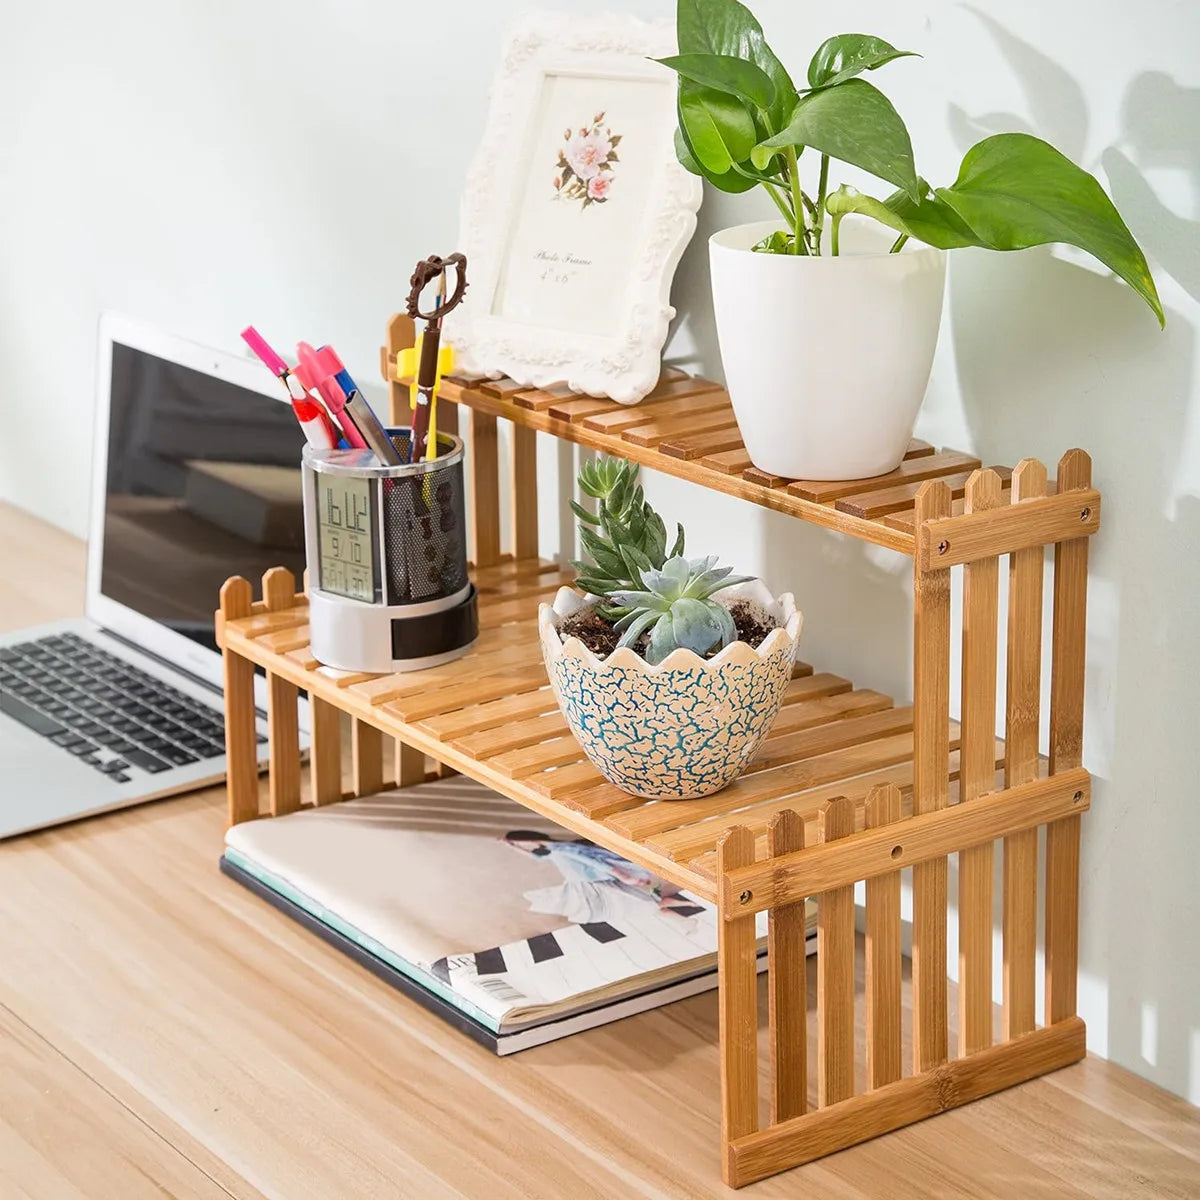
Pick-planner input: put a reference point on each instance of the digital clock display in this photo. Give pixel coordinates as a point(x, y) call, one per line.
point(344, 537)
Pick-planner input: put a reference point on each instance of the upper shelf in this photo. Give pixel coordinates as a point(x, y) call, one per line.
point(686, 428)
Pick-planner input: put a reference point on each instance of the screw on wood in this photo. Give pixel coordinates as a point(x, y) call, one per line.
point(1084, 514)
point(745, 897)
point(943, 546)
point(1077, 797)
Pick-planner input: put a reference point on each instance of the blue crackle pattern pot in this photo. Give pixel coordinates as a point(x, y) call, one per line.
point(686, 727)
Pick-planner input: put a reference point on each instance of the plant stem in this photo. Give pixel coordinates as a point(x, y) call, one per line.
point(799, 228)
point(819, 215)
point(898, 244)
point(780, 203)
point(835, 226)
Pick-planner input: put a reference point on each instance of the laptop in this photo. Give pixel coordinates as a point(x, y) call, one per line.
point(194, 479)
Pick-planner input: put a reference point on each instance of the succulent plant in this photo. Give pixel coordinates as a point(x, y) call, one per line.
point(624, 537)
point(676, 608)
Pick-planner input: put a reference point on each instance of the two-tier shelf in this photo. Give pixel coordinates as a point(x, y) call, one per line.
point(848, 786)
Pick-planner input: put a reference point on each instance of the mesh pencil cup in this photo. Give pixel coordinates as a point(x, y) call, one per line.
point(387, 558)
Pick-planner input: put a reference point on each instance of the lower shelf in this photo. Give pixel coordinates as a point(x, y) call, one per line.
point(492, 716)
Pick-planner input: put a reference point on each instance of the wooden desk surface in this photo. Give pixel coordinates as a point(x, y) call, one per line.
point(162, 1032)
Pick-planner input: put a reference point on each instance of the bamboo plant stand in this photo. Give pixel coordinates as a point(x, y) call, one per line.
point(848, 787)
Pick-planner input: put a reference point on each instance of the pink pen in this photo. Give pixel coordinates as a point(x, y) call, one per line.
point(317, 370)
point(318, 429)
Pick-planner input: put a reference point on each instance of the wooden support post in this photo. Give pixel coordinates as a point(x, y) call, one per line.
point(279, 594)
point(787, 983)
point(835, 969)
point(931, 782)
point(326, 757)
point(977, 776)
point(241, 738)
point(737, 981)
point(1066, 750)
point(1023, 690)
point(401, 335)
point(524, 493)
point(368, 759)
point(483, 461)
point(883, 952)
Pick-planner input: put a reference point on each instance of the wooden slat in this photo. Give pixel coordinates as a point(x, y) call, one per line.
point(520, 764)
point(737, 1006)
point(977, 775)
point(1066, 747)
point(812, 687)
point(367, 742)
point(279, 593)
point(500, 388)
point(1023, 692)
point(764, 478)
point(560, 782)
point(793, 717)
point(420, 705)
point(477, 717)
point(882, 958)
point(678, 395)
point(728, 462)
point(579, 407)
point(931, 697)
point(835, 970)
point(921, 838)
point(539, 399)
point(524, 493)
point(514, 736)
point(697, 445)
point(959, 539)
point(829, 736)
point(326, 755)
point(787, 1003)
point(663, 428)
point(241, 738)
point(484, 465)
point(409, 764)
point(911, 470)
point(689, 400)
point(875, 504)
point(901, 1103)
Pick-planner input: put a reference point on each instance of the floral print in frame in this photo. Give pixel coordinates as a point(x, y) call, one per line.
point(584, 168)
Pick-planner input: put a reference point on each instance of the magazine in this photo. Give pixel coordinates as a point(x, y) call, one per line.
point(482, 904)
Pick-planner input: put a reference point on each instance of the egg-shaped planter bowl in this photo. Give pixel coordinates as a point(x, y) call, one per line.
point(686, 727)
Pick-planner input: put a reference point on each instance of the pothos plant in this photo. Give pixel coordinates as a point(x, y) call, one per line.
point(743, 123)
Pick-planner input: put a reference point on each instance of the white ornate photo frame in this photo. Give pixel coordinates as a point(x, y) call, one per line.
point(572, 243)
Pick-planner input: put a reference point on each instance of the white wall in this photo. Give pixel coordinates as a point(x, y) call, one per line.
point(203, 164)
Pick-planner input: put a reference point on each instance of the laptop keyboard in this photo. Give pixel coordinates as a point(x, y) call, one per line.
point(103, 710)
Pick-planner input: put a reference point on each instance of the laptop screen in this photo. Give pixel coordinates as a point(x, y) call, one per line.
point(203, 483)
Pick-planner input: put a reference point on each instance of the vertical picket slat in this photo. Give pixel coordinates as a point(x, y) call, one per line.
point(978, 776)
point(787, 983)
point(241, 737)
point(326, 754)
point(279, 593)
point(737, 980)
point(401, 335)
point(883, 952)
point(1066, 750)
point(367, 744)
point(410, 765)
point(524, 493)
point(1023, 690)
point(835, 969)
point(931, 781)
point(484, 463)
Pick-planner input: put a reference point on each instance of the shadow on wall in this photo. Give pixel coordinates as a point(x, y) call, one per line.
point(1049, 355)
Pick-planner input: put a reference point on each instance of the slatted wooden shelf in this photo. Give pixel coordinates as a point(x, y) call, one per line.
point(849, 786)
point(686, 428)
point(492, 716)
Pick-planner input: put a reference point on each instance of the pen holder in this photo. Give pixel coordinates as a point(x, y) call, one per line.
point(387, 558)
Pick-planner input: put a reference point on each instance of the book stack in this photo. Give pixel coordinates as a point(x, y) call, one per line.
point(500, 922)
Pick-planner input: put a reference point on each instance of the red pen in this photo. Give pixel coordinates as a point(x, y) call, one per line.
point(318, 429)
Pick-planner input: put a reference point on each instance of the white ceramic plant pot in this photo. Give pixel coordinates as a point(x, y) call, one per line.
point(826, 358)
point(686, 727)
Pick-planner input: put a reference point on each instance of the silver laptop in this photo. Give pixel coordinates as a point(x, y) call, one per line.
point(194, 479)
